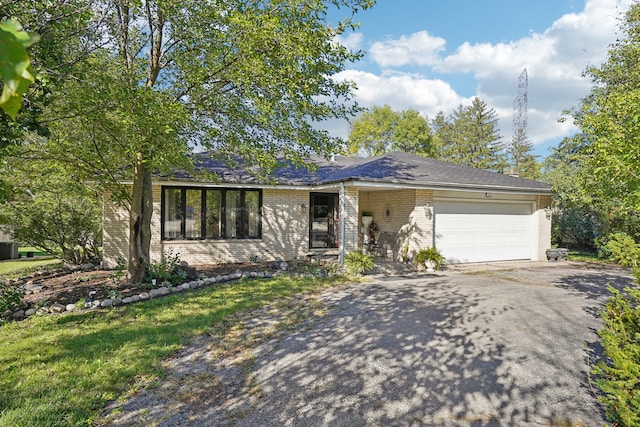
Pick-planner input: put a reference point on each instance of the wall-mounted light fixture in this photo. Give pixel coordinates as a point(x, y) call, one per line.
point(387, 212)
point(548, 211)
point(428, 212)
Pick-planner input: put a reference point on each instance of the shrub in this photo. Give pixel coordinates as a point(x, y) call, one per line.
point(10, 296)
point(357, 262)
point(622, 249)
point(431, 254)
point(166, 270)
point(618, 376)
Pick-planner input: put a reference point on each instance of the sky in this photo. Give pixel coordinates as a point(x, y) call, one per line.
point(433, 55)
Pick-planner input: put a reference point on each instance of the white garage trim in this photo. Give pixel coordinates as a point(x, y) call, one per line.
point(477, 231)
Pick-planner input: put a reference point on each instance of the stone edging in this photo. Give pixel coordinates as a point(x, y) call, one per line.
point(160, 291)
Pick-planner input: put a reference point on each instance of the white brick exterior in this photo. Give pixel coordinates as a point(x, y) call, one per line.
point(285, 225)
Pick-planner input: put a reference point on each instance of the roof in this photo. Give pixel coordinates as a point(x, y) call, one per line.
point(394, 168)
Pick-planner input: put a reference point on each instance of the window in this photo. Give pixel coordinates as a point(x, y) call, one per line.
point(191, 213)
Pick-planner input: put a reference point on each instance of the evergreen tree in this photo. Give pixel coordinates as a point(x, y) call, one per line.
point(521, 160)
point(470, 137)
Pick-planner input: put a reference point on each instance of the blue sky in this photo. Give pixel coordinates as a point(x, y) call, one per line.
point(435, 55)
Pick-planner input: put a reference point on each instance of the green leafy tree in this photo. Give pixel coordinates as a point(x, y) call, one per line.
point(16, 71)
point(381, 130)
point(241, 79)
point(470, 136)
point(412, 134)
point(608, 117)
point(50, 210)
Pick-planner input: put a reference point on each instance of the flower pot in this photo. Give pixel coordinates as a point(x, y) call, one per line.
point(431, 265)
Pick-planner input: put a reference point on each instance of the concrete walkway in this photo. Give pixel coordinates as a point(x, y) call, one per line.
point(483, 345)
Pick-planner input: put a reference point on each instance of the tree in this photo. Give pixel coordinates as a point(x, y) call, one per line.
point(608, 120)
point(412, 134)
point(372, 133)
point(51, 210)
point(381, 130)
point(521, 160)
point(470, 137)
point(16, 71)
point(241, 79)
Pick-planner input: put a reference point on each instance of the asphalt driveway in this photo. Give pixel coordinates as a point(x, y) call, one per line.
point(508, 345)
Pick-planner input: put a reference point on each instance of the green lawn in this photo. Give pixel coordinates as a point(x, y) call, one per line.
point(26, 265)
point(61, 370)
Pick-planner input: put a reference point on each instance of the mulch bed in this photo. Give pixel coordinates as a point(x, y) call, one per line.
point(69, 288)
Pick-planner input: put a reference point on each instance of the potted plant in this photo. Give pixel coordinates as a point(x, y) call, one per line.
point(430, 257)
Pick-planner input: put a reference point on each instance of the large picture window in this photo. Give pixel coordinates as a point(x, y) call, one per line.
point(194, 213)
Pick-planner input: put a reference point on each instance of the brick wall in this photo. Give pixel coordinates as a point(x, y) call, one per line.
point(402, 212)
point(544, 227)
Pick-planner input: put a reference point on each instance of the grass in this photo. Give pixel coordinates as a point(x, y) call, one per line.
point(24, 249)
point(25, 266)
point(62, 370)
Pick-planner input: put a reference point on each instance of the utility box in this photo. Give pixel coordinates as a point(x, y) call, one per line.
point(8, 250)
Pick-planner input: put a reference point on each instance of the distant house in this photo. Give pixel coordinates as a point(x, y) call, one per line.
point(471, 215)
point(8, 248)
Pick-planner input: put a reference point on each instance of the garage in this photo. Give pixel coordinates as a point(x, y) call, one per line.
point(476, 232)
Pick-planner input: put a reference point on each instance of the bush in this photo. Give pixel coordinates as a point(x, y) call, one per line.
point(618, 376)
point(430, 254)
point(10, 296)
point(357, 262)
point(622, 249)
point(167, 270)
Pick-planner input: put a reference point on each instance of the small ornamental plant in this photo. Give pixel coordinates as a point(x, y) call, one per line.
point(430, 254)
point(357, 262)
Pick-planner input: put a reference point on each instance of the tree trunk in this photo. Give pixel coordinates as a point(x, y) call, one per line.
point(140, 221)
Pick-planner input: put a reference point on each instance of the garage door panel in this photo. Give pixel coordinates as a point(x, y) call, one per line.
point(475, 232)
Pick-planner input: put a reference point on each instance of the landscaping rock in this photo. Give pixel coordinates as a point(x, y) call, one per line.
point(127, 300)
point(57, 308)
point(19, 314)
point(87, 267)
point(106, 303)
point(96, 303)
point(176, 289)
point(163, 291)
point(117, 301)
point(30, 312)
point(144, 296)
point(135, 298)
point(42, 310)
point(70, 307)
point(152, 293)
point(185, 286)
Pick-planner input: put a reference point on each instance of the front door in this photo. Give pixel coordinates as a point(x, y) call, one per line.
point(324, 220)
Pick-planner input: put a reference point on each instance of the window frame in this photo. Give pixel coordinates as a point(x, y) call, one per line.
point(243, 233)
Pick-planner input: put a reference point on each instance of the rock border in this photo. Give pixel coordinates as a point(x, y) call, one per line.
point(160, 291)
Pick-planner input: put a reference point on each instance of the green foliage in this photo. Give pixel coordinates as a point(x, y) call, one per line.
point(10, 296)
point(167, 270)
point(521, 160)
point(470, 136)
point(622, 249)
point(573, 227)
point(357, 262)
point(430, 254)
point(48, 209)
point(381, 130)
point(16, 71)
point(618, 375)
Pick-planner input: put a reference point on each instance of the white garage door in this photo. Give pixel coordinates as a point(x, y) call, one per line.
point(475, 232)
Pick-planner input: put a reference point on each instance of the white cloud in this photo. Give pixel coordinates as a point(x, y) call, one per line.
point(403, 90)
point(555, 60)
point(418, 48)
point(352, 41)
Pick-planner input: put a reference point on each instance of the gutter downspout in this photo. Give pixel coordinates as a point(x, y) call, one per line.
point(342, 227)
